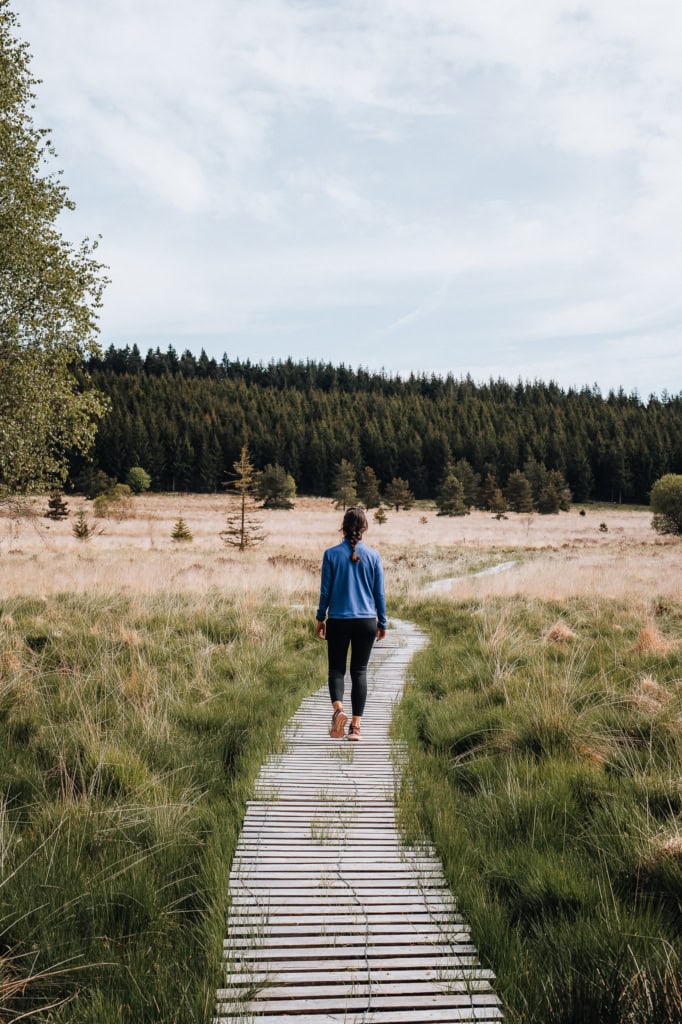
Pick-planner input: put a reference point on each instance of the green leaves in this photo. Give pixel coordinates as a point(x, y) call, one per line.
point(50, 292)
point(666, 504)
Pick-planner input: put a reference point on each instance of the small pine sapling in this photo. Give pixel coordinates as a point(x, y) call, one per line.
point(181, 532)
point(56, 507)
point(81, 528)
point(380, 516)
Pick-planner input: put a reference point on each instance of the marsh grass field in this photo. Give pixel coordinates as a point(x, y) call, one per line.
point(143, 682)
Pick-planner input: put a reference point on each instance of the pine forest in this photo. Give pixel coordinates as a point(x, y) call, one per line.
point(185, 419)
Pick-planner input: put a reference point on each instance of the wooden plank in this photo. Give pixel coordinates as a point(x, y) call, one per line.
point(338, 992)
point(411, 1001)
point(330, 882)
point(409, 900)
point(340, 950)
point(362, 916)
point(358, 962)
point(363, 926)
point(452, 1015)
point(328, 976)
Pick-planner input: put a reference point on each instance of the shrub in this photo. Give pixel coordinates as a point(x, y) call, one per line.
point(138, 480)
point(666, 504)
point(92, 482)
point(114, 504)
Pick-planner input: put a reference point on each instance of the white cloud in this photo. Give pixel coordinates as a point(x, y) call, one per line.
point(260, 160)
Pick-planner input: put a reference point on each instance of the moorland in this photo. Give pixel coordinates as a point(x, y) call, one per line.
point(143, 681)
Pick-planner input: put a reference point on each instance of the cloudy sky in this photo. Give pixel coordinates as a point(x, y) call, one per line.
point(489, 187)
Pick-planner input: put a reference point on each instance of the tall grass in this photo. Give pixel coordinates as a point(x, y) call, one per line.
point(132, 730)
point(545, 746)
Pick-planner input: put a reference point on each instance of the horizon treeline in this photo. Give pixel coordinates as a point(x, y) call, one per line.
point(185, 418)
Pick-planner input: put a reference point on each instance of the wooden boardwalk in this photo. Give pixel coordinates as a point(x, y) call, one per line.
point(332, 918)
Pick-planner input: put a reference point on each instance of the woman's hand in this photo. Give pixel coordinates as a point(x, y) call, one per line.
point(320, 630)
point(381, 633)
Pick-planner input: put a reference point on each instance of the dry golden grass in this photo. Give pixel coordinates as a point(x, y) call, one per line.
point(649, 696)
point(559, 633)
point(556, 556)
point(652, 641)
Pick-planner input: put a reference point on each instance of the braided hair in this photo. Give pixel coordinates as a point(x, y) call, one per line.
point(354, 525)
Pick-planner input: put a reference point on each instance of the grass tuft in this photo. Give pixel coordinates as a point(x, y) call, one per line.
point(651, 641)
point(559, 633)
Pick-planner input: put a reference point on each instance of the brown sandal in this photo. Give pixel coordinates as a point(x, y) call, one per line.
point(338, 726)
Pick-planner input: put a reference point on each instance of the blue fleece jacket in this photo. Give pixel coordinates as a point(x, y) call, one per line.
point(352, 590)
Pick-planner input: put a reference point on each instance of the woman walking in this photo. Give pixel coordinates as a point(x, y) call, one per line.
point(352, 591)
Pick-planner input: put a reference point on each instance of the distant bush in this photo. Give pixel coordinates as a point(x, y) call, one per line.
point(92, 481)
point(666, 504)
point(114, 504)
point(138, 480)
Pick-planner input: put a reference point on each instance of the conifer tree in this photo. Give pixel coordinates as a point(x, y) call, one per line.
point(81, 529)
point(181, 532)
point(345, 493)
point(450, 498)
point(519, 493)
point(380, 516)
point(469, 480)
point(492, 498)
point(275, 487)
point(549, 502)
point(368, 488)
point(210, 463)
point(244, 529)
point(183, 463)
point(537, 475)
point(56, 507)
point(399, 495)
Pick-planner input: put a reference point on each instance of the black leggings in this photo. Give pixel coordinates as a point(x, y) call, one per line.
point(359, 635)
